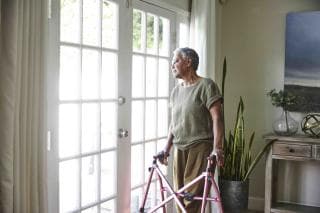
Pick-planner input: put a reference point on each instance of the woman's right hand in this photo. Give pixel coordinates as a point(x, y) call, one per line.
point(163, 157)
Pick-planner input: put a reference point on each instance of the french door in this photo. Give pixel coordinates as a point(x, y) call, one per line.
point(109, 81)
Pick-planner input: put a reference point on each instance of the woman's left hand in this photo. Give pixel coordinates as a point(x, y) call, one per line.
point(219, 155)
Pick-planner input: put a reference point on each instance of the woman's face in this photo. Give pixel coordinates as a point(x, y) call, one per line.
point(179, 66)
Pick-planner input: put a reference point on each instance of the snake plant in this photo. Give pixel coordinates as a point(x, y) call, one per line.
point(239, 162)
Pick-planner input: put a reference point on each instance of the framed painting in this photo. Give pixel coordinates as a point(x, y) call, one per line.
point(302, 60)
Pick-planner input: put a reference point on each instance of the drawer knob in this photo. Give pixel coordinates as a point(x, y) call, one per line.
point(291, 150)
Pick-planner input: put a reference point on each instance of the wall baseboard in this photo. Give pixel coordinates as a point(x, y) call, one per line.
point(256, 203)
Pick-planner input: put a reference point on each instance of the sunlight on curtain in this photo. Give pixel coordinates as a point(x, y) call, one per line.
point(202, 39)
point(22, 107)
point(202, 35)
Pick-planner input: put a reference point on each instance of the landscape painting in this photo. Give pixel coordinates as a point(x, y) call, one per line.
point(302, 60)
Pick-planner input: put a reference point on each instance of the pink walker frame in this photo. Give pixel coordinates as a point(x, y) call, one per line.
point(208, 175)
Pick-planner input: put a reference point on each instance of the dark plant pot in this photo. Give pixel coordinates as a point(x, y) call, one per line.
point(234, 195)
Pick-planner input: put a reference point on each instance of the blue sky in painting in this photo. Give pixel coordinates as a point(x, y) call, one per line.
point(302, 57)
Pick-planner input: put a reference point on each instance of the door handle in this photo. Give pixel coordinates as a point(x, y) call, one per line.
point(123, 133)
point(121, 100)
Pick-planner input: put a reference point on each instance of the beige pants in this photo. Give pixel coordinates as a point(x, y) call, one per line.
point(187, 165)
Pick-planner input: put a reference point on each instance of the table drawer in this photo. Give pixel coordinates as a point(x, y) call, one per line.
point(295, 150)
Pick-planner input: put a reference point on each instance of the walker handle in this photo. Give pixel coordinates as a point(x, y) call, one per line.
point(161, 158)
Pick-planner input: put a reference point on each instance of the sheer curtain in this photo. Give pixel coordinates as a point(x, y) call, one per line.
point(22, 106)
point(202, 39)
point(202, 34)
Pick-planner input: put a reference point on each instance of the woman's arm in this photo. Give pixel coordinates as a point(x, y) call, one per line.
point(168, 146)
point(218, 130)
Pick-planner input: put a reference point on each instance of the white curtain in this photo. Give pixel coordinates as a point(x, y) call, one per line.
point(22, 106)
point(202, 34)
point(202, 39)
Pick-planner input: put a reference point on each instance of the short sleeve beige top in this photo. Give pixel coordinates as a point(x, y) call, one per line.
point(191, 120)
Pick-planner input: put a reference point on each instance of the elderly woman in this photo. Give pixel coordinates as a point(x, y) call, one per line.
point(196, 129)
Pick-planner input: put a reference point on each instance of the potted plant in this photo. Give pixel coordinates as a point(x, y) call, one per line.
point(239, 161)
point(285, 125)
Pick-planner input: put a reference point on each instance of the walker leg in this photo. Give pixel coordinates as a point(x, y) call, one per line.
point(205, 193)
point(217, 192)
point(161, 193)
point(141, 209)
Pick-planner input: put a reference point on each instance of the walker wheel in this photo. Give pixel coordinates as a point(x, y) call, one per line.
point(141, 210)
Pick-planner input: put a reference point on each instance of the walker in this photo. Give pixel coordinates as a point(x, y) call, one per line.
point(208, 175)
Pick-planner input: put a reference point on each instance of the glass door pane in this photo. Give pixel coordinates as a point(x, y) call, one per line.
point(88, 105)
point(70, 14)
point(151, 44)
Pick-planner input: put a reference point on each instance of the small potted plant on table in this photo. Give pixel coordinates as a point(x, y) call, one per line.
point(285, 125)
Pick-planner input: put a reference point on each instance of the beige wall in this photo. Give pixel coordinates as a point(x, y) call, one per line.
point(251, 34)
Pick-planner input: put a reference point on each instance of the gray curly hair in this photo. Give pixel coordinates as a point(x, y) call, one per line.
point(187, 52)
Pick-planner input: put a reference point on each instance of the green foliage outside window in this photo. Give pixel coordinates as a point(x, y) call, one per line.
point(136, 35)
point(150, 28)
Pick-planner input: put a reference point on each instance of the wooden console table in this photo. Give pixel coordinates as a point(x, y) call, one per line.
point(295, 148)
